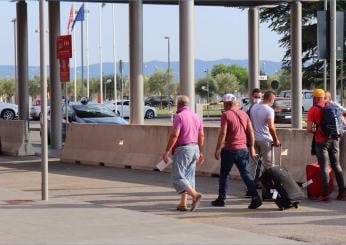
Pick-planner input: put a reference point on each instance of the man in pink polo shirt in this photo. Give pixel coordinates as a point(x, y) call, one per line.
point(187, 139)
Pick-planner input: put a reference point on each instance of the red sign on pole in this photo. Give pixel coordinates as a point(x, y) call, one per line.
point(63, 47)
point(65, 70)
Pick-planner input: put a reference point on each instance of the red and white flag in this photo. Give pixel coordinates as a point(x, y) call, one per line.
point(70, 19)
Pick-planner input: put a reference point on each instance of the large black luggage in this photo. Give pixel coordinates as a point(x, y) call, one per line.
point(283, 189)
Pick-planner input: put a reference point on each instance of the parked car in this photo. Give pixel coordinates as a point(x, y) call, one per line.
point(159, 100)
point(94, 113)
point(307, 101)
point(282, 108)
point(87, 113)
point(35, 111)
point(8, 111)
point(123, 110)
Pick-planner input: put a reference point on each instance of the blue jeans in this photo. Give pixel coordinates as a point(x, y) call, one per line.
point(326, 152)
point(241, 160)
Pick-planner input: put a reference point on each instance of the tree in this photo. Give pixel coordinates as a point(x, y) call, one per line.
point(34, 87)
point(7, 87)
point(202, 86)
point(279, 19)
point(226, 83)
point(158, 82)
point(239, 72)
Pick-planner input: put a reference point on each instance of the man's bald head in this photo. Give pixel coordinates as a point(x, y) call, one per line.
point(182, 101)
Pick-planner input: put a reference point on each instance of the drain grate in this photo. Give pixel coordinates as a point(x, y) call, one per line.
point(16, 202)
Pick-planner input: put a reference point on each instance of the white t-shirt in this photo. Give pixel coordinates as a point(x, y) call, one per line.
point(259, 115)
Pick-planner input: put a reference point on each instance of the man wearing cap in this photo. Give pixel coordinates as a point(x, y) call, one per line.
point(187, 139)
point(327, 149)
point(235, 125)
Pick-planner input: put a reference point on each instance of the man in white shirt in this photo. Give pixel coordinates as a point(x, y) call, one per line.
point(262, 118)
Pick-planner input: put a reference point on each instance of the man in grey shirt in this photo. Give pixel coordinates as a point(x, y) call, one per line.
point(262, 118)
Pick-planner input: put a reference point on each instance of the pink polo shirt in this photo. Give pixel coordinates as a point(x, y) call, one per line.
point(189, 124)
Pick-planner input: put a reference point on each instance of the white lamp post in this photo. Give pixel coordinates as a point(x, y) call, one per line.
point(108, 81)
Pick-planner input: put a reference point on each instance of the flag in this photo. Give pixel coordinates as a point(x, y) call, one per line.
point(70, 19)
point(79, 16)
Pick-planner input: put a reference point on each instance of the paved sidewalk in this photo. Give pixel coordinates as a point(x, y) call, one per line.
point(103, 205)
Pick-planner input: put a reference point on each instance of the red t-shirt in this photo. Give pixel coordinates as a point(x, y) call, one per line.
point(315, 116)
point(236, 135)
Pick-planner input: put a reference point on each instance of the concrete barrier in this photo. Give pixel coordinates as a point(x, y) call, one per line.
point(13, 140)
point(142, 146)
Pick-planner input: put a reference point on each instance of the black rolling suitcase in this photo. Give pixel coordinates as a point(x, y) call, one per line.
point(283, 189)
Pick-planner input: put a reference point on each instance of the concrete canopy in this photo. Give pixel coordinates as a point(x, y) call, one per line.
point(226, 3)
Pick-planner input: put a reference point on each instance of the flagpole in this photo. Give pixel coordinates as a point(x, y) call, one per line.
point(87, 50)
point(75, 67)
point(82, 49)
point(100, 36)
point(114, 61)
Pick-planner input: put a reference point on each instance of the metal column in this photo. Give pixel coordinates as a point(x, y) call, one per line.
point(253, 47)
point(136, 62)
point(22, 60)
point(186, 50)
point(296, 63)
point(333, 49)
point(43, 78)
point(55, 85)
point(23, 81)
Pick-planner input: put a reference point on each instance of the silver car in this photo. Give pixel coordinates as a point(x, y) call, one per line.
point(8, 111)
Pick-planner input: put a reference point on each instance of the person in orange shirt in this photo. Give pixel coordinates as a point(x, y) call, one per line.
point(326, 148)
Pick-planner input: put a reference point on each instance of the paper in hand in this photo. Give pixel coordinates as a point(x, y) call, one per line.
point(162, 164)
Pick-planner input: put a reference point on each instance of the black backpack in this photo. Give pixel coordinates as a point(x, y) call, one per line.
point(331, 123)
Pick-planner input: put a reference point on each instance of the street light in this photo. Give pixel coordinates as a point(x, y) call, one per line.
point(108, 81)
point(168, 49)
point(207, 89)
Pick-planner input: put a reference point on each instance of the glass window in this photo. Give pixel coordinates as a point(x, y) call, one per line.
point(308, 95)
point(91, 111)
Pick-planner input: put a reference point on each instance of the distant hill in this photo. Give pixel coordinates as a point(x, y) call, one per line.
point(149, 67)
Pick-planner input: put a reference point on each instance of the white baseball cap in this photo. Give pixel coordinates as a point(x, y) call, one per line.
point(228, 97)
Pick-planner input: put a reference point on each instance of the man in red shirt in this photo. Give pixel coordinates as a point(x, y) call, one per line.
point(235, 125)
point(327, 149)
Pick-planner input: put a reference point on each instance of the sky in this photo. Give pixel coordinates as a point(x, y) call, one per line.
point(219, 33)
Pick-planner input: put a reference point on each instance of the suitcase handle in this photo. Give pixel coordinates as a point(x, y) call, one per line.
point(273, 154)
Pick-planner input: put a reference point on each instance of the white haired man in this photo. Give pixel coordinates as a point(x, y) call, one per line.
point(187, 139)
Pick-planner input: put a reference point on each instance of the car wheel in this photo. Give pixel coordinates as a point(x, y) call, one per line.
point(7, 115)
point(149, 114)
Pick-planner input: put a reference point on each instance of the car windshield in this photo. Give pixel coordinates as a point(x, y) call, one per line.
point(283, 103)
point(92, 111)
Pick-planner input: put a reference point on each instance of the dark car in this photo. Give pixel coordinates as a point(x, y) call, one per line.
point(282, 108)
point(94, 113)
point(164, 101)
point(87, 113)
